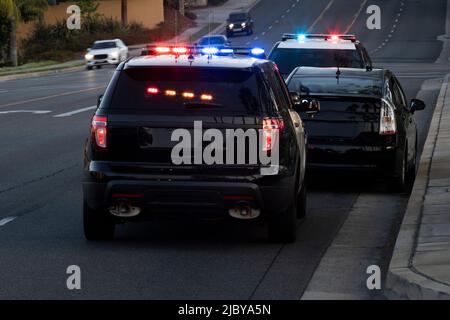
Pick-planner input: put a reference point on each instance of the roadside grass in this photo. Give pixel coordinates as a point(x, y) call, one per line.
point(39, 66)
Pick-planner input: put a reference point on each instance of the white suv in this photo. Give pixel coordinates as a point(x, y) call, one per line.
point(319, 50)
point(106, 52)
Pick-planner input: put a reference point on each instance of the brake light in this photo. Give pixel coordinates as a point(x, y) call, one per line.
point(100, 131)
point(387, 119)
point(271, 129)
point(152, 90)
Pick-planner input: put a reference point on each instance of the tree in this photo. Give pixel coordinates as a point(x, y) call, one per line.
point(16, 12)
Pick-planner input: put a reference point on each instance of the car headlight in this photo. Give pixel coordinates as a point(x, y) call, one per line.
point(231, 25)
point(243, 24)
point(114, 55)
point(89, 56)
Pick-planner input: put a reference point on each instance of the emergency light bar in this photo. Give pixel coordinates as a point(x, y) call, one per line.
point(173, 50)
point(326, 37)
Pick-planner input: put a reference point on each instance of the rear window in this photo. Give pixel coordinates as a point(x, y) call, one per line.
point(327, 85)
point(186, 89)
point(238, 16)
point(288, 59)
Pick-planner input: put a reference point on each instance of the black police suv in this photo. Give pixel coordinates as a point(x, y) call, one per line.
point(149, 152)
point(364, 121)
point(319, 50)
point(239, 22)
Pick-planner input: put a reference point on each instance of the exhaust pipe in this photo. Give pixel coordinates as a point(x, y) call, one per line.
point(124, 210)
point(244, 212)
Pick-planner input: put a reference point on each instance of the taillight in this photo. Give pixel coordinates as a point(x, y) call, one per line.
point(387, 119)
point(271, 129)
point(99, 129)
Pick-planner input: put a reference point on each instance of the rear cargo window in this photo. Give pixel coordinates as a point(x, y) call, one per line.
point(288, 59)
point(186, 89)
point(327, 85)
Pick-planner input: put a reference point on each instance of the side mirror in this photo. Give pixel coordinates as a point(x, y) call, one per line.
point(417, 105)
point(88, 49)
point(99, 100)
point(228, 43)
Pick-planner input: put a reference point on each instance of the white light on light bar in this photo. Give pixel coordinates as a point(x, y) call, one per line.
point(258, 51)
point(210, 50)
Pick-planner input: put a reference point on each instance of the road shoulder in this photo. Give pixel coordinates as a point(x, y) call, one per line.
point(420, 266)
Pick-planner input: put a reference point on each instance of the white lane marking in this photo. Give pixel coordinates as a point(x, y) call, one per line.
point(71, 113)
point(58, 95)
point(25, 111)
point(3, 91)
point(355, 17)
point(7, 220)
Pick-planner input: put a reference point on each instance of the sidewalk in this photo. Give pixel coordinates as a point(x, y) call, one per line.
point(420, 266)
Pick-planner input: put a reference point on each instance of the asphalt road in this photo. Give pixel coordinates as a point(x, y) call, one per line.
point(352, 222)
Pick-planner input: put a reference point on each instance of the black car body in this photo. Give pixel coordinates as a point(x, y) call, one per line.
point(319, 50)
point(129, 172)
point(216, 41)
point(239, 22)
point(364, 121)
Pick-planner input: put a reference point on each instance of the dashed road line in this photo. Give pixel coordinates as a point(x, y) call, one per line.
point(50, 97)
point(26, 111)
point(7, 220)
point(71, 113)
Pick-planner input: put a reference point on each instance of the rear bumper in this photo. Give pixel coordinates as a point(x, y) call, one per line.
point(189, 195)
point(376, 159)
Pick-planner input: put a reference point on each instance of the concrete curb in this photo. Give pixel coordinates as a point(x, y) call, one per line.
point(403, 280)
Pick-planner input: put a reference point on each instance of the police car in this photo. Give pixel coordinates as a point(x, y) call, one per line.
point(182, 131)
point(319, 50)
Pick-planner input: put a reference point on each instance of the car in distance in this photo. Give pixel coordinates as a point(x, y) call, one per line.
point(216, 41)
point(106, 52)
point(239, 22)
point(129, 170)
point(319, 50)
point(364, 122)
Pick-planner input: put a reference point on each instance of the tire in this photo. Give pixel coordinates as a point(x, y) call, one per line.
point(301, 202)
point(89, 68)
point(283, 226)
point(405, 182)
point(98, 225)
point(99, 67)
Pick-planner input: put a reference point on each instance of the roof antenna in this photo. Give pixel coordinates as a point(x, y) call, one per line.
point(338, 60)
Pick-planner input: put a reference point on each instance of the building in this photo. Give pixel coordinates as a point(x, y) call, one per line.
point(147, 12)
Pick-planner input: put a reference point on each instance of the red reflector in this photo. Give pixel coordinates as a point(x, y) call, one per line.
point(152, 90)
point(162, 49)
